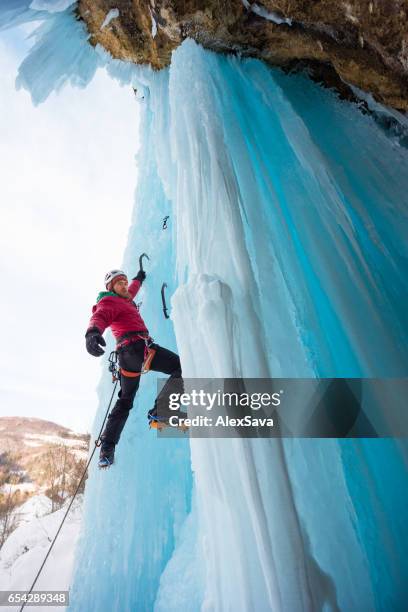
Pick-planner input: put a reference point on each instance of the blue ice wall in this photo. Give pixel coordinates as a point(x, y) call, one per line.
point(286, 252)
point(291, 205)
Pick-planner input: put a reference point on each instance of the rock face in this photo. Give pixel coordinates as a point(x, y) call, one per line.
point(361, 42)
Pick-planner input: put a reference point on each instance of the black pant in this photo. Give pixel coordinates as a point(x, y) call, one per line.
point(131, 358)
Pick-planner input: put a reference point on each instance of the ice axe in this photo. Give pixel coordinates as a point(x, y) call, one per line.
point(141, 260)
point(164, 285)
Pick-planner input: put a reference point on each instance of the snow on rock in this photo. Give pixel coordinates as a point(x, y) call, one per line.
point(379, 66)
point(379, 109)
point(349, 14)
point(154, 24)
point(269, 15)
point(24, 550)
point(113, 14)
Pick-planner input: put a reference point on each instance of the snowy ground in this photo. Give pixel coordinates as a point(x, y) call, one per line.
point(23, 487)
point(25, 549)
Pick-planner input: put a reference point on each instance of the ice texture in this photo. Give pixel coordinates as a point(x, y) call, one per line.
point(60, 54)
point(15, 12)
point(290, 215)
point(52, 6)
point(286, 253)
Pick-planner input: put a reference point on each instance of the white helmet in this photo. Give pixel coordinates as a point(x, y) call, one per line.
point(111, 275)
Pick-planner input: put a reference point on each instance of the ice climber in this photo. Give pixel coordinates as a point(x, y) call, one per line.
point(116, 309)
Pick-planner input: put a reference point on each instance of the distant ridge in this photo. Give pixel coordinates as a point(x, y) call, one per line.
point(31, 424)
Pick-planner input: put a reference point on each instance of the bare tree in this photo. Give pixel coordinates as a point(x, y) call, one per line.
point(55, 467)
point(8, 519)
point(76, 472)
point(63, 472)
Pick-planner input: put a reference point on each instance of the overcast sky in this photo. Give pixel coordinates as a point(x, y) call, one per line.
point(68, 175)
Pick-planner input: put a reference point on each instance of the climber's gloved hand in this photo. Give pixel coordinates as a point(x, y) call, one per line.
point(140, 276)
point(93, 339)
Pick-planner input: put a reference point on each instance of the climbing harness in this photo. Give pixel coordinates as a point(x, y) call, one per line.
point(97, 444)
point(164, 285)
point(148, 355)
point(165, 222)
point(129, 337)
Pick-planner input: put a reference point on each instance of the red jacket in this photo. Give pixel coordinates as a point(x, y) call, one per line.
point(121, 314)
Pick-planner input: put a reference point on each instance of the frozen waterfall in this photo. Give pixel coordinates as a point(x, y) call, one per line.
point(286, 256)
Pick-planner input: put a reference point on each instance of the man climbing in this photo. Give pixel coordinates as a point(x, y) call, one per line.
point(116, 309)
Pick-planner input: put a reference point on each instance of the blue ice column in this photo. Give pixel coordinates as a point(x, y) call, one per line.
point(321, 191)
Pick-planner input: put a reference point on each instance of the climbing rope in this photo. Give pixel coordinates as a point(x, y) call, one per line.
point(97, 443)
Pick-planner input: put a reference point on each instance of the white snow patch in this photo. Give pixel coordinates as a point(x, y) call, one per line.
point(349, 14)
point(40, 439)
point(52, 6)
point(113, 14)
point(154, 24)
point(25, 549)
point(375, 106)
point(35, 507)
point(22, 486)
point(261, 11)
point(403, 54)
point(270, 15)
point(79, 454)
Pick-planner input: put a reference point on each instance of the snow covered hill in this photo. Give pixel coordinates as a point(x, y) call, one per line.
point(40, 466)
point(23, 433)
point(36, 454)
point(24, 550)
